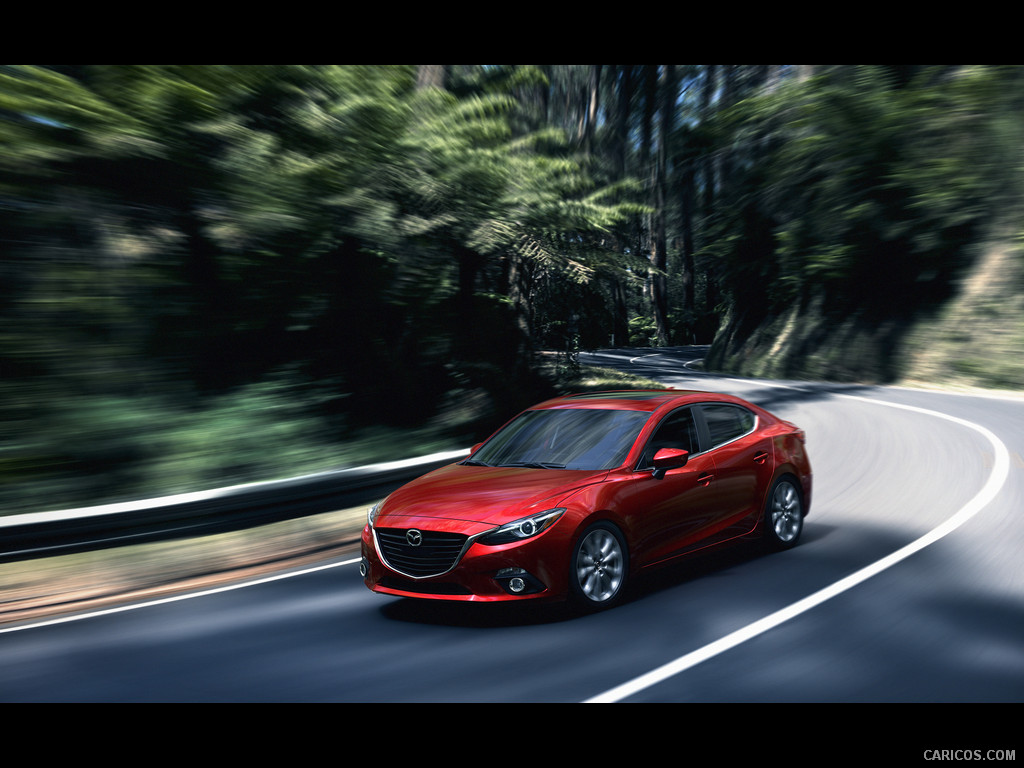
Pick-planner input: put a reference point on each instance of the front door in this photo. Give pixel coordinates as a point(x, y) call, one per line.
point(670, 511)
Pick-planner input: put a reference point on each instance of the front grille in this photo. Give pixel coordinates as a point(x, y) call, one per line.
point(438, 552)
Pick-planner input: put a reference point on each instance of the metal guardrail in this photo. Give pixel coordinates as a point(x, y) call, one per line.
point(38, 534)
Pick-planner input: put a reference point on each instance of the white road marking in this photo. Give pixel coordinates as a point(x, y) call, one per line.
point(993, 485)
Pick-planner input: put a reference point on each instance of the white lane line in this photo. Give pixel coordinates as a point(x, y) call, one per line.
point(992, 486)
point(174, 598)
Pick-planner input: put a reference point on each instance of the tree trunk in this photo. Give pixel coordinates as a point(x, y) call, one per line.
point(687, 213)
point(624, 104)
point(667, 105)
point(432, 76)
point(708, 162)
point(593, 99)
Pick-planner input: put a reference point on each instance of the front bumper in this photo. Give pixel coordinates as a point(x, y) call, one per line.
point(533, 569)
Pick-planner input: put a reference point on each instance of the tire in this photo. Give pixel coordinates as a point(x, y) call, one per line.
point(784, 514)
point(599, 567)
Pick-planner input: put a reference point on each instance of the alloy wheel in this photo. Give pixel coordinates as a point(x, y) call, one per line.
point(600, 565)
point(785, 514)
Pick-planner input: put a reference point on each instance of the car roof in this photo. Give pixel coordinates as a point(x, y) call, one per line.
point(634, 399)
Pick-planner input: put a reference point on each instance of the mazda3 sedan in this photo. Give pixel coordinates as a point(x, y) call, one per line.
point(576, 495)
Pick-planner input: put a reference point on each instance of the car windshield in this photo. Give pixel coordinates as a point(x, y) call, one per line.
point(564, 438)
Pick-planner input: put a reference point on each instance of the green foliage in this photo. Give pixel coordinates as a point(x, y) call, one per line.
point(175, 239)
point(861, 202)
point(642, 332)
point(865, 189)
point(174, 236)
point(107, 448)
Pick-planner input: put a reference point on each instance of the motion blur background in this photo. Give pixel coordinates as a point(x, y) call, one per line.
point(212, 274)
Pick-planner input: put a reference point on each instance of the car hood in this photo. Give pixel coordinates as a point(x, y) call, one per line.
point(488, 495)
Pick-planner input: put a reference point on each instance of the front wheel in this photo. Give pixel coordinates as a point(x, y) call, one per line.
point(784, 514)
point(599, 567)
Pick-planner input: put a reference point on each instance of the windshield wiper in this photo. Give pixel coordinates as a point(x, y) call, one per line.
point(535, 465)
point(475, 463)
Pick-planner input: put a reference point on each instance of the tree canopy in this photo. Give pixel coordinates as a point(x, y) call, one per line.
point(357, 244)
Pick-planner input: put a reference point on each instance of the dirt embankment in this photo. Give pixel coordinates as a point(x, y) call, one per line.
point(974, 340)
point(64, 585)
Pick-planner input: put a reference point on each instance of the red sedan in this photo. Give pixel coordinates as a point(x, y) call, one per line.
point(575, 495)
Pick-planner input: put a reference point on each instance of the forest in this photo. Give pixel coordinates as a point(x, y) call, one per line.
point(224, 273)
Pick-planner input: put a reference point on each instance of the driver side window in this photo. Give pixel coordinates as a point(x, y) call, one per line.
point(678, 430)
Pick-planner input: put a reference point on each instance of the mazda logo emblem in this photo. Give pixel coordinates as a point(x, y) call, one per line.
point(414, 537)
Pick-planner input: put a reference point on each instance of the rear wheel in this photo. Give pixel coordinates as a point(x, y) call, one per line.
point(599, 567)
point(784, 514)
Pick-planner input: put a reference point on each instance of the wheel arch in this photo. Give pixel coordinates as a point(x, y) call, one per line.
point(801, 481)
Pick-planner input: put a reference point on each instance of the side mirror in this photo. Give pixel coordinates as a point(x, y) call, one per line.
point(475, 448)
point(669, 458)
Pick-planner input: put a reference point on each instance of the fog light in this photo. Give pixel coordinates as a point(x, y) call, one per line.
point(517, 581)
point(363, 568)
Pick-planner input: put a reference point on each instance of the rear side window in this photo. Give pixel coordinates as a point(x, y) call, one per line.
point(727, 422)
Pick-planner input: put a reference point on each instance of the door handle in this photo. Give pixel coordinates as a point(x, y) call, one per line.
point(705, 479)
point(760, 457)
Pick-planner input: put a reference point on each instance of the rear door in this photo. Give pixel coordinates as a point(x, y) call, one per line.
point(743, 466)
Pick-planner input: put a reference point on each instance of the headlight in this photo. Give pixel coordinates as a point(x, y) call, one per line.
point(371, 514)
point(523, 529)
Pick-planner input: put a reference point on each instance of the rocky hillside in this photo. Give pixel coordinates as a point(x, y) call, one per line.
point(976, 339)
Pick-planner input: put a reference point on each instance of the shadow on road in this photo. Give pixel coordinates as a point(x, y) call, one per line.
point(476, 615)
point(643, 585)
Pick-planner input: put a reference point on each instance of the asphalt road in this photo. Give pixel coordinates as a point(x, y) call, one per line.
point(908, 587)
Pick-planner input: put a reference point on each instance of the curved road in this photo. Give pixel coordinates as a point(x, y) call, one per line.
point(908, 587)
